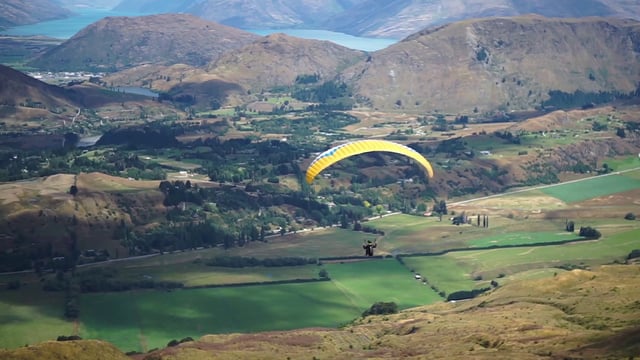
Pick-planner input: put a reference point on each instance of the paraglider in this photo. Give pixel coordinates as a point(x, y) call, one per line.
point(368, 247)
point(351, 148)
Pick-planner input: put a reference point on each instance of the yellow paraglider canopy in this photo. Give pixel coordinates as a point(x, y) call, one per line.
point(346, 150)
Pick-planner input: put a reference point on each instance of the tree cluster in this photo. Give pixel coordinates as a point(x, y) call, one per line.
point(381, 308)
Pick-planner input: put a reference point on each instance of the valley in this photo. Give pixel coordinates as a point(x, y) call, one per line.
point(180, 225)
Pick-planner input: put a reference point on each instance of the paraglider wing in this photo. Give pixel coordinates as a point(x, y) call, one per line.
point(346, 150)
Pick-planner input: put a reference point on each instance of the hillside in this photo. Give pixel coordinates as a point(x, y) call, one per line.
point(16, 86)
point(274, 60)
point(23, 12)
point(500, 63)
point(115, 43)
point(399, 19)
point(27, 103)
point(579, 314)
point(278, 58)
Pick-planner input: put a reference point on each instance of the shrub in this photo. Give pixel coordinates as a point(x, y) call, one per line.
point(381, 308)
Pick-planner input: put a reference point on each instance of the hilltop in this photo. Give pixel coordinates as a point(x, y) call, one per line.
point(116, 43)
point(501, 64)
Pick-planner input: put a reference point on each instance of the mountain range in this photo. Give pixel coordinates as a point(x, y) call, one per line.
point(510, 63)
point(375, 18)
point(372, 18)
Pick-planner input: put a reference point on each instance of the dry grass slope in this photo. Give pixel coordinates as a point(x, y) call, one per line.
point(500, 63)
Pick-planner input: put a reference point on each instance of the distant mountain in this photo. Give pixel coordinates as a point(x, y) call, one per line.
point(116, 43)
point(500, 63)
point(154, 6)
point(92, 4)
point(375, 18)
point(260, 14)
point(23, 12)
point(400, 18)
point(249, 14)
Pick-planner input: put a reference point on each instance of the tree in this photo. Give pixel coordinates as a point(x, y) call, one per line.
point(440, 207)
point(73, 190)
point(589, 232)
point(323, 274)
point(630, 216)
point(570, 226)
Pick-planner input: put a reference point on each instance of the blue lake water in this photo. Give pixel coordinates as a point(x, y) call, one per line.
point(66, 28)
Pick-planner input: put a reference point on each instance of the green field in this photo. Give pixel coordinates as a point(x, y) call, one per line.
point(442, 272)
point(630, 162)
point(592, 187)
point(198, 274)
point(366, 282)
point(147, 319)
point(522, 238)
point(31, 316)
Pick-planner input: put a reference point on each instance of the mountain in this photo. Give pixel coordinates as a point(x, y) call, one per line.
point(273, 60)
point(115, 43)
point(375, 18)
point(401, 18)
point(277, 60)
point(270, 13)
point(84, 4)
point(153, 6)
point(249, 14)
point(500, 63)
point(17, 87)
point(23, 12)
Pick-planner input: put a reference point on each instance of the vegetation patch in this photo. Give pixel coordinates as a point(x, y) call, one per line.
point(592, 187)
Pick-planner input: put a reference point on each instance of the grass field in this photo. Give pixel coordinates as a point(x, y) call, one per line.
point(198, 274)
point(441, 271)
point(521, 238)
point(29, 317)
point(366, 282)
point(456, 270)
point(593, 187)
point(148, 319)
point(626, 163)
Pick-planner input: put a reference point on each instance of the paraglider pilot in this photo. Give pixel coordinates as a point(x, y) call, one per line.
point(368, 247)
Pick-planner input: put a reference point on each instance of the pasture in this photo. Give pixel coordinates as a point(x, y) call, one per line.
point(199, 274)
point(592, 187)
point(146, 319)
point(30, 316)
point(457, 270)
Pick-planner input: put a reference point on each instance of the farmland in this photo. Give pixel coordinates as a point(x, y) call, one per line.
point(521, 242)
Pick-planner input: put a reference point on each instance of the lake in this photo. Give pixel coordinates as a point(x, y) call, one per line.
point(66, 28)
